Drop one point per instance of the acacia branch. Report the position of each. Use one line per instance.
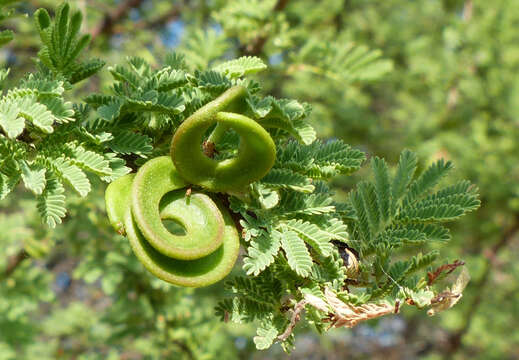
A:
(155, 23)
(256, 47)
(13, 262)
(106, 26)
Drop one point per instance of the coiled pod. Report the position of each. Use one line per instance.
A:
(256, 152)
(138, 203)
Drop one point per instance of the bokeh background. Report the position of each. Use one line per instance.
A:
(445, 84)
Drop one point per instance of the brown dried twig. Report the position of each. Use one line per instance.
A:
(339, 313)
(447, 268)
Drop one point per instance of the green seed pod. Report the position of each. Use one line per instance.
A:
(153, 180)
(207, 251)
(117, 198)
(193, 273)
(256, 152)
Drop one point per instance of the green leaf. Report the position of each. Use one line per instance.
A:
(319, 160)
(421, 261)
(168, 79)
(212, 81)
(363, 225)
(118, 167)
(109, 111)
(261, 253)
(303, 131)
(382, 187)
(266, 334)
(403, 177)
(441, 212)
(421, 298)
(51, 203)
(37, 113)
(240, 67)
(201, 47)
(127, 142)
(312, 234)
(268, 198)
(72, 174)
(62, 112)
(298, 203)
(427, 180)
(343, 61)
(122, 74)
(7, 184)
(33, 177)
(335, 229)
(175, 61)
(296, 252)
(88, 160)
(10, 122)
(285, 178)
(85, 70)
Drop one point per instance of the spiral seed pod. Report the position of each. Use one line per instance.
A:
(117, 198)
(206, 252)
(256, 152)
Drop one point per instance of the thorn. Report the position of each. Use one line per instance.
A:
(397, 306)
(209, 149)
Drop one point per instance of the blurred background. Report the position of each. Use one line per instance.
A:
(444, 83)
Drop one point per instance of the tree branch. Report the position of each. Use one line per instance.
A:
(106, 26)
(13, 262)
(155, 23)
(256, 47)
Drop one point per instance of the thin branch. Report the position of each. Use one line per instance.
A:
(106, 26)
(162, 20)
(256, 47)
(13, 262)
(296, 316)
(445, 268)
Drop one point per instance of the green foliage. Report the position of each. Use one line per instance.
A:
(45, 139)
(62, 44)
(300, 236)
(296, 232)
(6, 35)
(340, 61)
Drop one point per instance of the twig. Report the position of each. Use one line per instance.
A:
(256, 47)
(447, 268)
(296, 315)
(106, 25)
(165, 18)
(13, 262)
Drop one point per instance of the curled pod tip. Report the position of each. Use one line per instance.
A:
(256, 152)
(191, 273)
(153, 181)
(117, 199)
(138, 203)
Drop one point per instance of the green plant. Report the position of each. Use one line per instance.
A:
(204, 254)
(343, 262)
(256, 153)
